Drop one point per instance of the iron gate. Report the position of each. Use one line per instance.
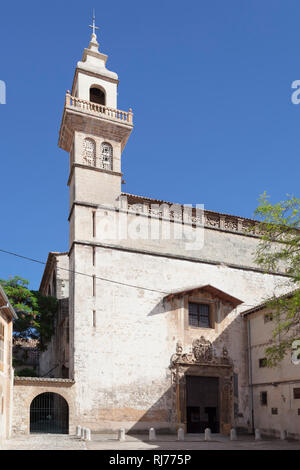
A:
(49, 413)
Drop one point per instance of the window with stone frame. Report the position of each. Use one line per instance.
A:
(106, 157)
(89, 152)
(1, 346)
(199, 315)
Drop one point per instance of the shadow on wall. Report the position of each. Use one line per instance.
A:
(209, 387)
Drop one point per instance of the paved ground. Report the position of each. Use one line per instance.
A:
(45, 442)
(109, 442)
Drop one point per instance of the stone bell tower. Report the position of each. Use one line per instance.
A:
(94, 133)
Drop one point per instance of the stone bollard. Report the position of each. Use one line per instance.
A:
(283, 435)
(207, 434)
(121, 434)
(180, 434)
(257, 435)
(233, 435)
(152, 435)
(78, 431)
(82, 433)
(87, 435)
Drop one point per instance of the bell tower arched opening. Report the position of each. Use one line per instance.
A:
(97, 95)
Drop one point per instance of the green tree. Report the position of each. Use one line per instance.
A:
(279, 251)
(35, 312)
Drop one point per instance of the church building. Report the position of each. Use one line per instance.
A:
(149, 331)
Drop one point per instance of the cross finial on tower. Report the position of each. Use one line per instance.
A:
(93, 26)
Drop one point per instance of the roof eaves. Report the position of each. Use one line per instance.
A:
(8, 305)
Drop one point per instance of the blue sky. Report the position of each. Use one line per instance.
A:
(209, 82)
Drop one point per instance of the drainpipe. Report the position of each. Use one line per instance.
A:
(250, 373)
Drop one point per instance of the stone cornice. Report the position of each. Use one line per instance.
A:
(234, 225)
(91, 74)
(43, 381)
(102, 121)
(87, 167)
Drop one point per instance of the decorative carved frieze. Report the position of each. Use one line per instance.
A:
(231, 223)
(202, 352)
(212, 220)
(248, 227)
(206, 219)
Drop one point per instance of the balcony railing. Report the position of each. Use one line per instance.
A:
(94, 108)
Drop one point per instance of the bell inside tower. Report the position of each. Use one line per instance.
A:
(97, 96)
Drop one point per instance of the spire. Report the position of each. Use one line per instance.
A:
(94, 45)
(92, 59)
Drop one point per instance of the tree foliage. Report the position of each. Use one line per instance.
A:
(279, 251)
(35, 312)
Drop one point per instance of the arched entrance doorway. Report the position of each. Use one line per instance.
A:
(49, 413)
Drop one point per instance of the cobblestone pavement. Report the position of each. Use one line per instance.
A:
(167, 442)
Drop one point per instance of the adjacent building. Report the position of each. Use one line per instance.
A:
(274, 391)
(7, 314)
(55, 282)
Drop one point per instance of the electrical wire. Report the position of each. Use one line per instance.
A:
(96, 277)
(83, 274)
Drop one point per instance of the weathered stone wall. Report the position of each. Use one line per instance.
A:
(121, 365)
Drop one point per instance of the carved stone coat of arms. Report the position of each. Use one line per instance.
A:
(202, 350)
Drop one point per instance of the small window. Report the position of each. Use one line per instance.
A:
(199, 315)
(263, 398)
(268, 317)
(263, 362)
(106, 156)
(298, 411)
(297, 393)
(89, 152)
(274, 411)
